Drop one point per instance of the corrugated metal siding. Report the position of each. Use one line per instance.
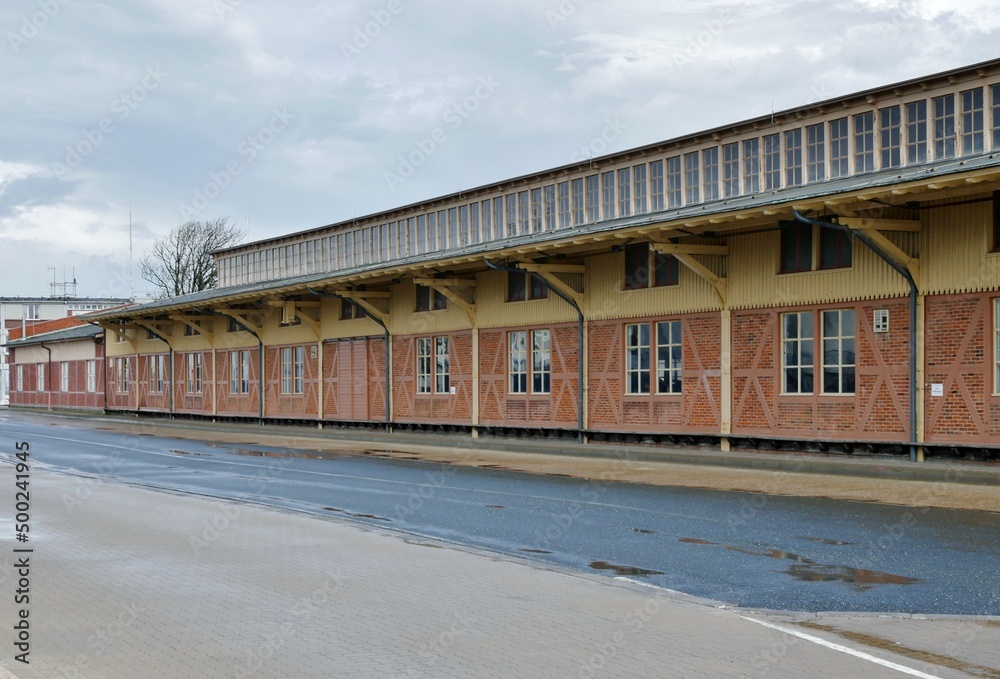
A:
(403, 320)
(495, 312)
(607, 301)
(754, 283)
(957, 240)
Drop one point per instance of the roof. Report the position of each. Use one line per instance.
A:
(764, 203)
(78, 332)
(62, 300)
(722, 129)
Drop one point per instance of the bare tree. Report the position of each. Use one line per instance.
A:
(181, 262)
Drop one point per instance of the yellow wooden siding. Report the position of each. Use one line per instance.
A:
(494, 311)
(957, 242)
(607, 300)
(405, 321)
(754, 281)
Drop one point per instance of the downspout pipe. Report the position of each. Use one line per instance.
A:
(48, 374)
(170, 348)
(580, 323)
(260, 361)
(388, 356)
(914, 294)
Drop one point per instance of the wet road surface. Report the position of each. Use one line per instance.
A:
(745, 549)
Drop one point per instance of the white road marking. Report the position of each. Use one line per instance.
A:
(844, 649)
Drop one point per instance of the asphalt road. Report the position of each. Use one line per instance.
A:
(750, 550)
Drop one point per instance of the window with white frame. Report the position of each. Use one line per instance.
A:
(442, 365)
(541, 362)
(972, 121)
(772, 162)
(996, 346)
(840, 159)
(624, 192)
(692, 179)
(91, 376)
(564, 205)
(511, 202)
(20, 378)
(944, 126)
(710, 170)
(239, 372)
(864, 142)
(815, 153)
(674, 183)
(839, 360)
(656, 186)
(579, 203)
(194, 373)
(797, 353)
(536, 212)
(731, 170)
(523, 213)
(751, 166)
(550, 207)
(608, 195)
(639, 186)
(424, 365)
(916, 132)
(594, 198)
(517, 353)
(293, 370)
(64, 376)
(498, 219)
(669, 357)
(122, 375)
(39, 377)
(890, 136)
(793, 157)
(156, 373)
(637, 358)
(31, 312)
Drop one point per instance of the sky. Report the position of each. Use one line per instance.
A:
(284, 116)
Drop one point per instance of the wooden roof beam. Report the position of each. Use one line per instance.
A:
(870, 224)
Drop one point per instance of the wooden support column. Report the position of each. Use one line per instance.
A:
(921, 376)
(726, 379)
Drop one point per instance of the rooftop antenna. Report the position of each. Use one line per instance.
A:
(131, 275)
(772, 110)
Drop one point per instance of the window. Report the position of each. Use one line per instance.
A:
(150, 335)
(156, 374)
(20, 378)
(519, 290)
(442, 366)
(674, 183)
(624, 192)
(541, 362)
(91, 376)
(996, 346)
(550, 208)
(564, 205)
(656, 185)
(995, 93)
(972, 121)
(578, 202)
(797, 342)
(593, 199)
(293, 370)
(815, 153)
(517, 351)
(864, 142)
(772, 162)
(637, 358)
(475, 230)
(498, 223)
(194, 373)
(636, 266)
(487, 207)
(996, 221)
(890, 136)
(608, 194)
(839, 149)
(429, 299)
(796, 248)
(64, 376)
(751, 166)
(424, 365)
(39, 377)
(838, 352)
(234, 326)
(639, 183)
(793, 157)
(710, 158)
(731, 170)
(286, 370)
(536, 212)
(191, 330)
(669, 353)
(523, 213)
(944, 127)
(916, 132)
(349, 310)
(835, 249)
(31, 312)
(692, 179)
(666, 270)
(121, 375)
(239, 372)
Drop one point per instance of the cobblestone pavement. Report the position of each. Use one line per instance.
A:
(129, 582)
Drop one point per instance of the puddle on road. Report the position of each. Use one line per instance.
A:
(622, 570)
(357, 516)
(495, 507)
(809, 570)
(535, 551)
(246, 452)
(644, 531)
(826, 541)
(184, 452)
(913, 653)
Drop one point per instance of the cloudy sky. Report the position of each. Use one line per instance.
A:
(291, 115)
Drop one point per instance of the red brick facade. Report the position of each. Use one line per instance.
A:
(76, 397)
(437, 408)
